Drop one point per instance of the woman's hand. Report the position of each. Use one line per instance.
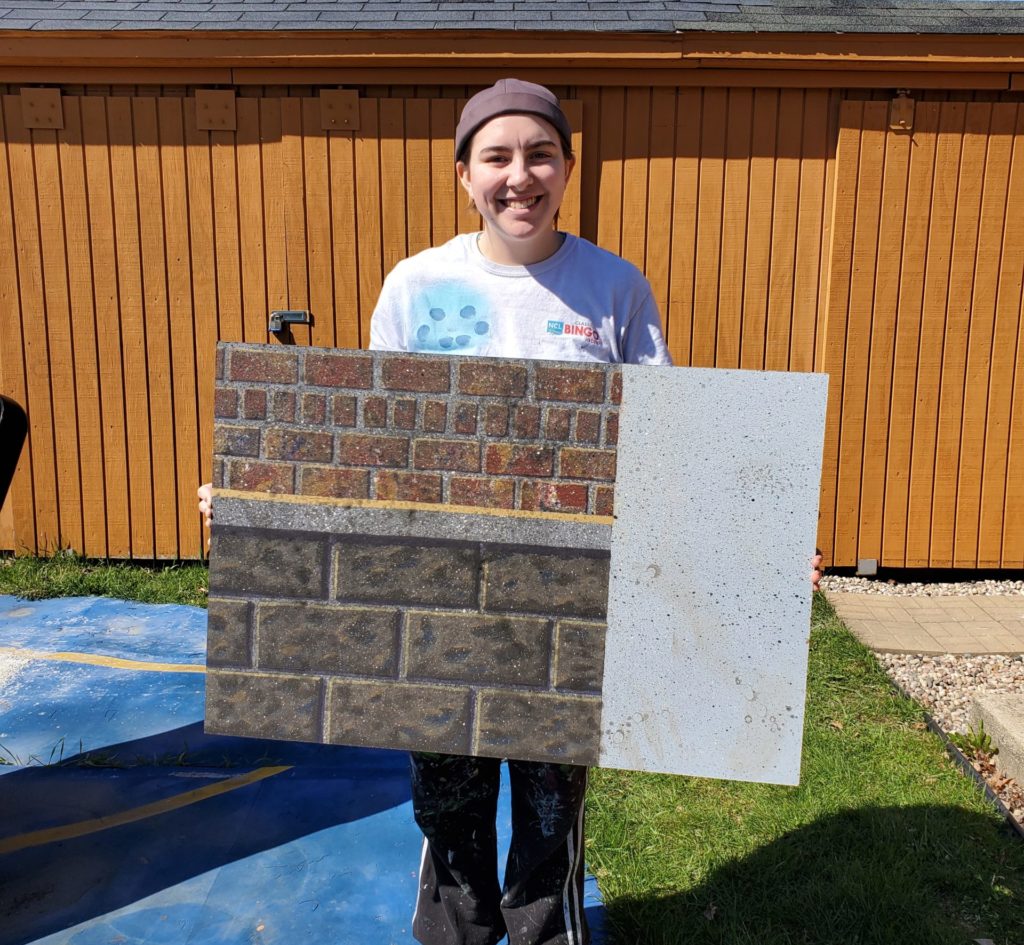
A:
(815, 571)
(205, 493)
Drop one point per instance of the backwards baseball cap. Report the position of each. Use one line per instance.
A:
(511, 97)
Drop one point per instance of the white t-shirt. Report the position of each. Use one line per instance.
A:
(581, 304)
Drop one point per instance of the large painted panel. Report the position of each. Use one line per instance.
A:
(412, 551)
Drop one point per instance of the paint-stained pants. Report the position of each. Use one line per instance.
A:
(455, 801)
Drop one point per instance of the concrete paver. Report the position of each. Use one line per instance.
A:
(933, 625)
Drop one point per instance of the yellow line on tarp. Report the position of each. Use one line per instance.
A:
(39, 838)
(395, 505)
(94, 660)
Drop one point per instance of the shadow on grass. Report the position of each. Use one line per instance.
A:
(925, 875)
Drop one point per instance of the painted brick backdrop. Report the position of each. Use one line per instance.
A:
(348, 606)
(537, 436)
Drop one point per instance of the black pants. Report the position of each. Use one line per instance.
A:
(455, 801)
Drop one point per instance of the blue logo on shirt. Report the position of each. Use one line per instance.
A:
(556, 328)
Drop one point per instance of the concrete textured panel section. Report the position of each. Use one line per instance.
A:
(420, 552)
(709, 606)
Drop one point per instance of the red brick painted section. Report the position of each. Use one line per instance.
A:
(530, 435)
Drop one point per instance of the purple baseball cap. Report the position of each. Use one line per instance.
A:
(511, 97)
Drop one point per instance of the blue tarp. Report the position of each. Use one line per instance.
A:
(149, 831)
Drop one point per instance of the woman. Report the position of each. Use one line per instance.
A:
(521, 289)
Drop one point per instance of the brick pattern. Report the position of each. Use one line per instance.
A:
(461, 647)
(537, 436)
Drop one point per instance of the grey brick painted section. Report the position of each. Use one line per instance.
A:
(229, 634)
(305, 637)
(538, 727)
(263, 706)
(441, 575)
(661, 16)
(579, 656)
(546, 583)
(478, 648)
(272, 565)
(421, 718)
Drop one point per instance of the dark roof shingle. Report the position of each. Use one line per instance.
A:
(660, 16)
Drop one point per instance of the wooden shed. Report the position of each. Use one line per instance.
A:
(808, 185)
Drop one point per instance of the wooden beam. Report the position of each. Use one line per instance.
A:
(586, 77)
(505, 49)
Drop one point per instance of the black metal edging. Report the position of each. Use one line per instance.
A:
(963, 763)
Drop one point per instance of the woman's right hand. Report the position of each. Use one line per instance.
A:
(205, 493)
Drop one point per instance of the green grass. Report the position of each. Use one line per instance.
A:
(885, 841)
(67, 575)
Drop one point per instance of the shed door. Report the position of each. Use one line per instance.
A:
(131, 240)
(925, 438)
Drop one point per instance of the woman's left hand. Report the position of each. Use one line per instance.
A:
(816, 573)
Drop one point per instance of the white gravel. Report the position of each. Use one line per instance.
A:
(945, 685)
(861, 585)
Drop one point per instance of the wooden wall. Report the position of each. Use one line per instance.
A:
(769, 222)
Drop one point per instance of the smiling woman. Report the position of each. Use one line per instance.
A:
(518, 289)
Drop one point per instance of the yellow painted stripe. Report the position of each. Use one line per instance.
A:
(38, 838)
(93, 660)
(411, 506)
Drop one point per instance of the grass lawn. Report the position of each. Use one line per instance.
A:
(885, 841)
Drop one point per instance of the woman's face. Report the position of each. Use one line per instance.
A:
(516, 175)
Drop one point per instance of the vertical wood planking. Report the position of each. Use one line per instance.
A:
(392, 182)
(832, 125)
(968, 540)
(345, 239)
(892, 221)
(858, 328)
(20, 524)
(83, 330)
(610, 159)
(635, 158)
(840, 264)
(569, 212)
(954, 343)
(58, 334)
(133, 329)
(1001, 530)
(204, 281)
(709, 228)
(293, 191)
(937, 275)
(914, 252)
(785, 221)
(317, 203)
(174, 184)
(368, 214)
(103, 253)
(155, 312)
(588, 167)
(658, 236)
(275, 234)
(417, 184)
(808, 265)
(685, 188)
(735, 207)
(763, 150)
(255, 312)
(444, 192)
(225, 229)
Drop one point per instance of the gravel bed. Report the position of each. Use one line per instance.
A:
(862, 585)
(946, 684)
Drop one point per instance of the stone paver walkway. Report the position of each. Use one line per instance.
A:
(891, 624)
